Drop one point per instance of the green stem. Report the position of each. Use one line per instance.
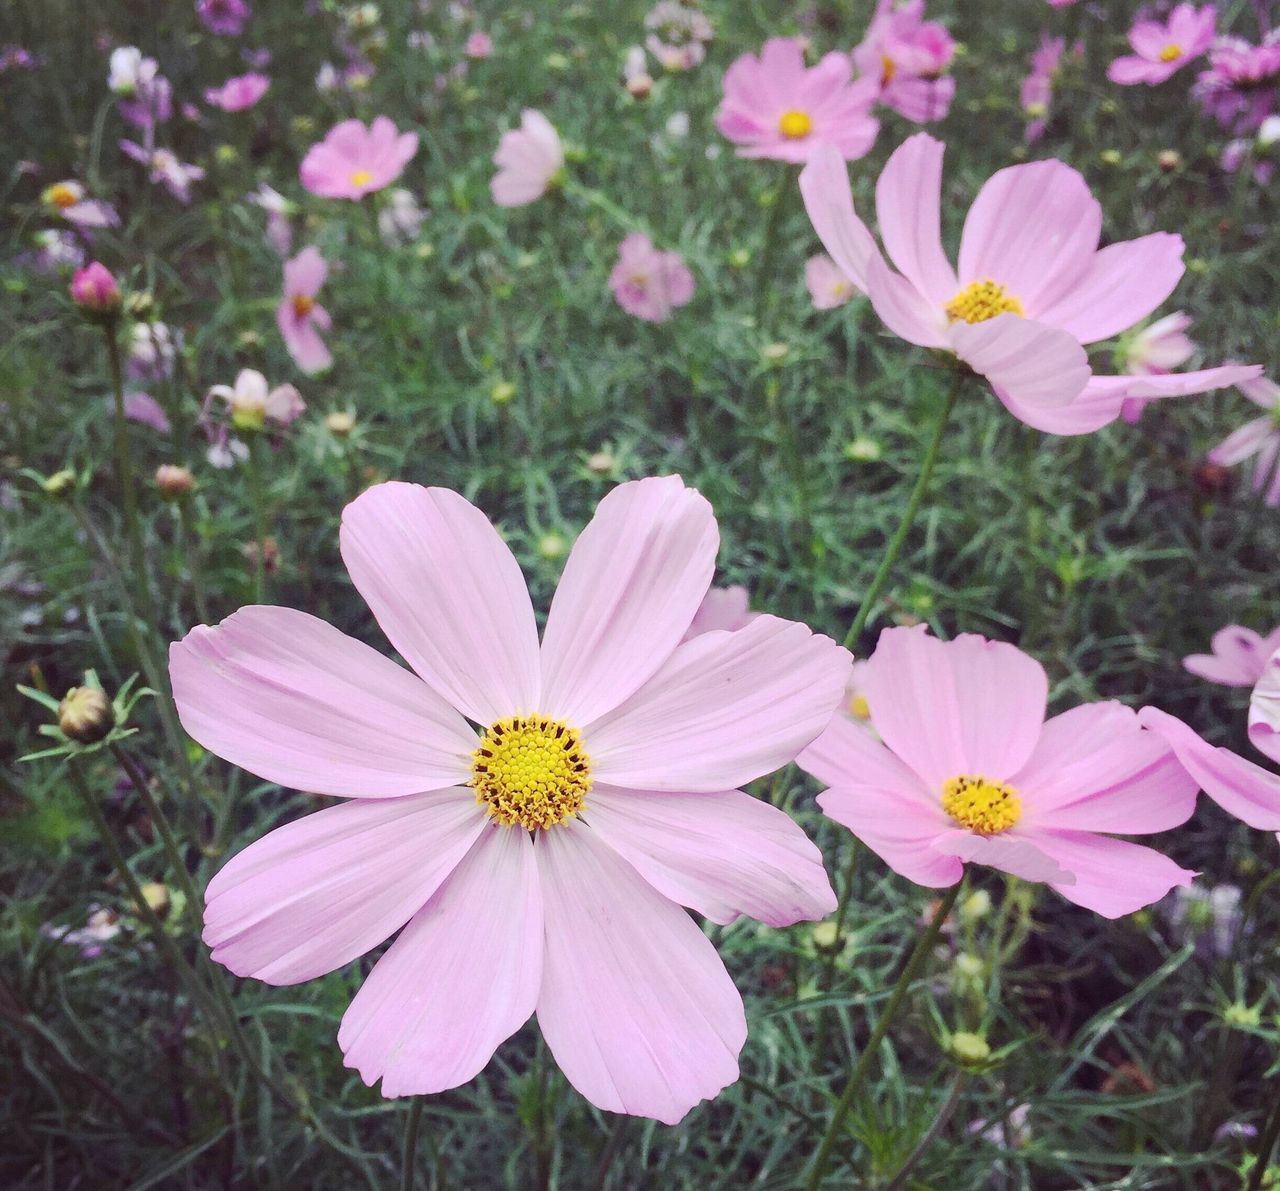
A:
(259, 519)
(930, 1135)
(191, 542)
(924, 944)
(772, 236)
(829, 963)
(411, 1125)
(1266, 1143)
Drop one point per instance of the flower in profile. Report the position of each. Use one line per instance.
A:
(536, 814)
(401, 219)
(967, 768)
(1155, 350)
(648, 282)
(251, 404)
(1239, 87)
(227, 18)
(153, 348)
(478, 45)
(774, 106)
(530, 160)
(279, 234)
(1238, 656)
(678, 35)
(55, 249)
(1162, 48)
(723, 609)
(1210, 918)
(101, 926)
(166, 170)
(1036, 94)
(145, 97)
(909, 57)
(69, 200)
(354, 160)
(1031, 289)
(828, 287)
(1258, 439)
(238, 93)
(299, 316)
(95, 290)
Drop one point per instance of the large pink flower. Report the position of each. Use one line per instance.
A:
(1258, 439)
(1031, 288)
(299, 316)
(353, 160)
(536, 814)
(1160, 49)
(529, 160)
(775, 106)
(970, 770)
(1237, 656)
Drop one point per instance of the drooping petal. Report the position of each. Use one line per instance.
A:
(1244, 441)
(828, 199)
(1036, 365)
(908, 210)
(449, 595)
(462, 977)
(1264, 710)
(903, 308)
(898, 830)
(1010, 853)
(290, 698)
(1237, 659)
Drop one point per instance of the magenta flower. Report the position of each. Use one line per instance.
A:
(774, 106)
(909, 57)
(1258, 439)
(970, 770)
(353, 160)
(70, 201)
(827, 285)
(1032, 286)
(1239, 87)
(299, 316)
(536, 814)
(1161, 49)
(1238, 656)
(227, 18)
(723, 609)
(647, 282)
(238, 93)
(166, 170)
(529, 160)
(94, 289)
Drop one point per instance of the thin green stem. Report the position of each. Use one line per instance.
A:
(1266, 1143)
(259, 519)
(191, 544)
(772, 236)
(835, 1130)
(412, 1124)
(930, 1135)
(829, 963)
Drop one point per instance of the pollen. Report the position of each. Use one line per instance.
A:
(532, 771)
(859, 708)
(61, 195)
(981, 805)
(795, 125)
(303, 305)
(888, 68)
(1171, 53)
(980, 301)
(361, 178)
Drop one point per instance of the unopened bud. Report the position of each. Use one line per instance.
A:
(85, 714)
(140, 304)
(156, 895)
(826, 936)
(173, 481)
(340, 423)
(61, 483)
(976, 906)
(969, 1049)
(552, 546)
(1169, 160)
(601, 463)
(639, 86)
(95, 291)
(502, 392)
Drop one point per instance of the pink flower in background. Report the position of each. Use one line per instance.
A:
(1239, 87)
(1036, 93)
(1238, 658)
(153, 350)
(238, 93)
(1031, 288)
(678, 35)
(70, 201)
(969, 770)
(251, 403)
(55, 249)
(478, 45)
(723, 609)
(908, 56)
(175, 176)
(95, 289)
(279, 233)
(1264, 709)
(224, 17)
(146, 411)
(1156, 350)
(299, 316)
(774, 106)
(1258, 440)
(101, 926)
(353, 160)
(536, 814)
(529, 160)
(648, 282)
(1160, 49)
(828, 287)
(146, 99)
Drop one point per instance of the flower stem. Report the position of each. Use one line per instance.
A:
(193, 547)
(259, 519)
(772, 235)
(930, 1135)
(1266, 1143)
(411, 1125)
(924, 944)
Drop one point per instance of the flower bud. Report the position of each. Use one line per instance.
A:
(61, 483)
(173, 481)
(976, 906)
(85, 714)
(552, 546)
(340, 423)
(826, 936)
(601, 463)
(969, 1049)
(502, 392)
(95, 291)
(156, 895)
(639, 86)
(1169, 160)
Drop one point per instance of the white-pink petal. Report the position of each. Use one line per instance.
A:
(908, 209)
(828, 199)
(1034, 364)
(899, 830)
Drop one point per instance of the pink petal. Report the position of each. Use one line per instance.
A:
(847, 754)
(290, 698)
(1131, 70)
(1009, 853)
(903, 308)
(449, 595)
(630, 589)
(635, 1004)
(724, 710)
(908, 208)
(828, 199)
(305, 273)
(461, 978)
(1034, 364)
(1245, 441)
(721, 854)
(1264, 710)
(898, 830)
(1238, 657)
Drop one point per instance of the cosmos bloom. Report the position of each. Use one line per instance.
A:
(353, 160)
(1239, 87)
(529, 160)
(1156, 350)
(1160, 49)
(478, 45)
(774, 106)
(174, 175)
(299, 316)
(536, 814)
(1032, 287)
(224, 17)
(1258, 439)
(239, 93)
(909, 57)
(1036, 93)
(647, 282)
(251, 404)
(724, 609)
(828, 287)
(95, 289)
(1237, 656)
(968, 769)
(678, 35)
(69, 201)
(145, 96)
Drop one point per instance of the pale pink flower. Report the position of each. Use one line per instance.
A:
(1258, 439)
(536, 814)
(648, 282)
(678, 35)
(478, 45)
(353, 160)
(1156, 350)
(145, 96)
(774, 106)
(967, 769)
(70, 201)
(238, 93)
(146, 411)
(153, 351)
(1036, 94)
(299, 316)
(1032, 287)
(101, 926)
(1238, 656)
(1239, 87)
(1160, 49)
(723, 609)
(251, 403)
(279, 233)
(908, 56)
(529, 160)
(224, 17)
(174, 175)
(828, 287)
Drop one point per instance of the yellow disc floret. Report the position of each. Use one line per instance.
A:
(62, 195)
(981, 805)
(530, 770)
(1171, 53)
(361, 178)
(795, 125)
(981, 300)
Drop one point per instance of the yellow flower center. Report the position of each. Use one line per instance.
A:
(361, 178)
(1171, 53)
(859, 708)
(248, 415)
(302, 305)
(888, 68)
(981, 300)
(795, 125)
(981, 805)
(61, 195)
(530, 770)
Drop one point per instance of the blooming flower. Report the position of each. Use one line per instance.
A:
(251, 405)
(174, 175)
(1036, 92)
(1258, 439)
(353, 160)
(828, 287)
(128, 70)
(647, 282)
(908, 56)
(224, 17)
(723, 609)
(69, 201)
(1161, 49)
(1156, 350)
(529, 160)
(970, 770)
(774, 106)
(401, 219)
(101, 926)
(1031, 289)
(540, 857)
(299, 316)
(1237, 656)
(678, 35)
(1239, 87)
(478, 45)
(238, 93)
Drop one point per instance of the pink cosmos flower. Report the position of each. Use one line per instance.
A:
(908, 56)
(678, 35)
(238, 93)
(101, 926)
(279, 234)
(70, 201)
(478, 45)
(1238, 656)
(145, 96)
(174, 175)
(224, 17)
(968, 769)
(536, 814)
(828, 287)
(647, 282)
(1239, 87)
(774, 106)
(299, 316)
(251, 403)
(529, 161)
(353, 160)
(153, 350)
(1258, 439)
(1036, 93)
(1156, 350)
(1161, 49)
(1031, 289)
(723, 609)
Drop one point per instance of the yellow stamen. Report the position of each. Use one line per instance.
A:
(981, 300)
(859, 708)
(1171, 53)
(302, 305)
(888, 68)
(981, 805)
(361, 178)
(530, 770)
(61, 195)
(795, 125)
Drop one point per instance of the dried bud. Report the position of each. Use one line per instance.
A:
(340, 423)
(85, 715)
(639, 86)
(173, 481)
(95, 291)
(1169, 160)
(270, 554)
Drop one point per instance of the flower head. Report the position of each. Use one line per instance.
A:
(251, 404)
(238, 93)
(1237, 656)
(354, 160)
(828, 287)
(1155, 350)
(299, 316)
(95, 290)
(68, 200)
(647, 282)
(678, 35)
(224, 17)
(153, 348)
(1239, 87)
(1258, 439)
(166, 170)
(529, 160)
(478, 45)
(1161, 48)
(908, 57)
